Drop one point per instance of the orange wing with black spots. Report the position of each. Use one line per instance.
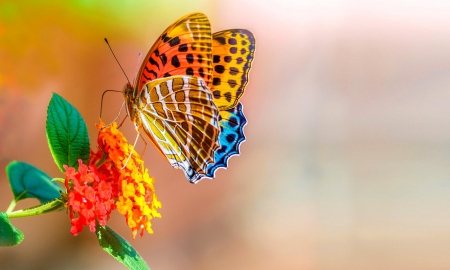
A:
(233, 52)
(187, 91)
(184, 48)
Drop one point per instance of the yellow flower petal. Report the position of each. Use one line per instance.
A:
(137, 199)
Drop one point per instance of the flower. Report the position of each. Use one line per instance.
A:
(136, 200)
(114, 178)
(91, 196)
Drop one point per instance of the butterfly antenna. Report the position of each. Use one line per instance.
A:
(106, 40)
(137, 65)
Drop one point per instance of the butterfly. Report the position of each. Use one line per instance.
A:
(187, 91)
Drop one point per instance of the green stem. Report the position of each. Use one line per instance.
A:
(102, 160)
(11, 206)
(51, 206)
(15, 200)
(61, 180)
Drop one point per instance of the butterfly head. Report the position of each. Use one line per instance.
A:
(128, 94)
(127, 90)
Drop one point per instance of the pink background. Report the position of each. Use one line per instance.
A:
(347, 158)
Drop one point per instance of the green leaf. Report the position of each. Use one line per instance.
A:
(27, 181)
(119, 248)
(66, 133)
(9, 235)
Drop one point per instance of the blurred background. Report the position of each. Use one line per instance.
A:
(347, 158)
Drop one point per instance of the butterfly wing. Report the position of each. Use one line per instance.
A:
(179, 116)
(177, 111)
(233, 52)
(184, 48)
(231, 123)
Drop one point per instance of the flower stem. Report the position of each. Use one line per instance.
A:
(102, 160)
(15, 200)
(57, 179)
(50, 206)
(11, 206)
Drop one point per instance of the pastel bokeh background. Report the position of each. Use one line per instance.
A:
(347, 158)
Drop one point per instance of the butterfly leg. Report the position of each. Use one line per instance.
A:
(145, 146)
(131, 151)
(121, 123)
(120, 110)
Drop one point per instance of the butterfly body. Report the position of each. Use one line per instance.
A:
(187, 91)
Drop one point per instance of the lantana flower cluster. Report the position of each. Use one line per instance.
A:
(114, 178)
(90, 195)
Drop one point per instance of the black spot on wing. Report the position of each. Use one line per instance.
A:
(221, 40)
(190, 58)
(216, 81)
(232, 83)
(233, 122)
(175, 62)
(163, 58)
(227, 96)
(231, 137)
(219, 69)
(234, 71)
(174, 41)
(183, 48)
(150, 71)
(216, 95)
(153, 62)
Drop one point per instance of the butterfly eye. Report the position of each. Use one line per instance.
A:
(127, 90)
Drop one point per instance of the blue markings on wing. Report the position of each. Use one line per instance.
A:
(231, 123)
